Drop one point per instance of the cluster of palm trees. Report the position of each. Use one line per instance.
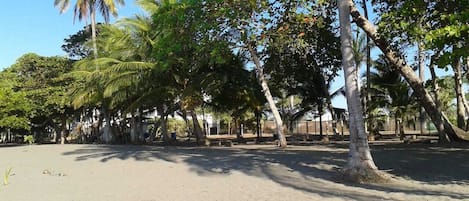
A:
(155, 62)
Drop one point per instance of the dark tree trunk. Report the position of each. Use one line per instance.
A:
(63, 130)
(320, 123)
(258, 125)
(461, 113)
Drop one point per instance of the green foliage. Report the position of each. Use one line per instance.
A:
(439, 25)
(29, 139)
(390, 91)
(178, 126)
(42, 90)
(15, 109)
(76, 45)
(306, 65)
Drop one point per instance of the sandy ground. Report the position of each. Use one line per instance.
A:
(147, 173)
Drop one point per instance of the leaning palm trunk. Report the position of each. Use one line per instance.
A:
(360, 166)
(265, 88)
(446, 131)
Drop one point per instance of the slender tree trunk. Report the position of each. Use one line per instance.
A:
(63, 130)
(360, 166)
(320, 122)
(333, 115)
(265, 88)
(107, 133)
(133, 131)
(435, 86)
(368, 116)
(258, 124)
(93, 35)
(446, 131)
(8, 137)
(461, 113)
(422, 77)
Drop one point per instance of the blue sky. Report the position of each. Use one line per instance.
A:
(38, 27)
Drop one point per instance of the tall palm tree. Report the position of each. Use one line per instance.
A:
(360, 166)
(85, 9)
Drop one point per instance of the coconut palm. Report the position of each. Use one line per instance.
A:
(390, 91)
(360, 164)
(85, 9)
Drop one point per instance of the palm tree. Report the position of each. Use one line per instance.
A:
(360, 166)
(393, 93)
(85, 9)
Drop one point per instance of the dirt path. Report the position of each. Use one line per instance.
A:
(143, 173)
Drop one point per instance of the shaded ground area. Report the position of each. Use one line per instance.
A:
(250, 172)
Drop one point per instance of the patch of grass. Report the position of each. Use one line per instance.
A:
(6, 176)
(29, 139)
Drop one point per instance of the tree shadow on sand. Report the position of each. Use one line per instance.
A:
(310, 169)
(429, 163)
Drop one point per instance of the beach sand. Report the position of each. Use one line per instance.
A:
(242, 172)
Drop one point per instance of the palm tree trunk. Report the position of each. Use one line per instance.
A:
(360, 166)
(93, 34)
(444, 127)
(265, 88)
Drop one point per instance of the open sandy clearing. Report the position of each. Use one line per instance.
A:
(145, 173)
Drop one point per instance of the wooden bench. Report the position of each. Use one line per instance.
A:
(219, 142)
